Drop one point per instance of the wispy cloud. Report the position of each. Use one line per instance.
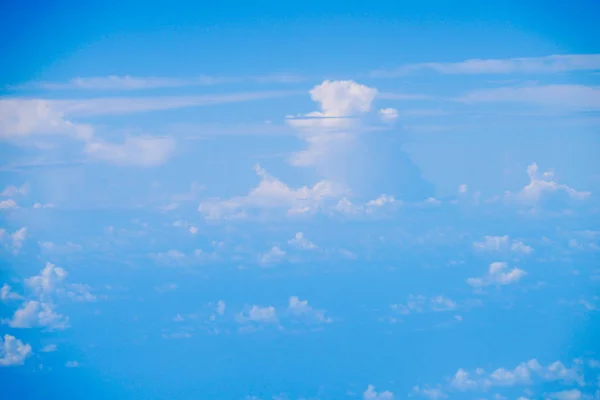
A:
(130, 83)
(524, 65)
(573, 96)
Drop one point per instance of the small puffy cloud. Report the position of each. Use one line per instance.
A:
(6, 293)
(502, 244)
(543, 187)
(523, 374)
(273, 256)
(11, 191)
(498, 275)
(381, 201)
(301, 310)
(463, 381)
(273, 194)
(371, 394)
(463, 188)
(258, 314)
(13, 352)
(7, 204)
(388, 114)
(48, 281)
(36, 314)
(18, 237)
(193, 230)
(301, 242)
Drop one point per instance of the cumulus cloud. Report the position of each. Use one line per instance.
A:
(13, 351)
(258, 314)
(498, 275)
(430, 393)
(34, 314)
(20, 119)
(301, 242)
(6, 293)
(331, 129)
(371, 394)
(301, 310)
(7, 204)
(273, 256)
(11, 190)
(272, 193)
(542, 184)
(523, 374)
(49, 348)
(502, 244)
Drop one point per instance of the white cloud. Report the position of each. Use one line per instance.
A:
(49, 280)
(22, 118)
(300, 309)
(193, 230)
(35, 314)
(13, 351)
(522, 374)
(388, 114)
(381, 201)
(16, 239)
(7, 204)
(301, 242)
(547, 64)
(11, 191)
(273, 256)
(463, 188)
(271, 193)
(497, 275)
(371, 394)
(50, 283)
(6, 293)
(502, 244)
(258, 314)
(541, 184)
(331, 129)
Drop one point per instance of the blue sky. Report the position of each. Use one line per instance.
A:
(277, 201)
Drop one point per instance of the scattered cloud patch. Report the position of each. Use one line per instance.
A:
(498, 274)
(13, 352)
